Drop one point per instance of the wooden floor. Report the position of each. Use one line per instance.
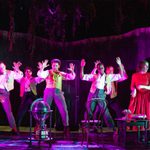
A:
(96, 141)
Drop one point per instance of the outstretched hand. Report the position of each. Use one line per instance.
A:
(118, 60)
(16, 65)
(43, 64)
(96, 63)
(71, 67)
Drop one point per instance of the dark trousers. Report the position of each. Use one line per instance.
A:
(5, 101)
(97, 100)
(26, 102)
(113, 104)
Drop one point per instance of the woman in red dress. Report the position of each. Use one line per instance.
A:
(140, 91)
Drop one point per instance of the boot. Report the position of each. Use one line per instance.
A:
(66, 132)
(14, 131)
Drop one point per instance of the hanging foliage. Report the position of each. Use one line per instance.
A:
(11, 24)
(54, 19)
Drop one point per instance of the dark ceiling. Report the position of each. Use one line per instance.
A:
(67, 20)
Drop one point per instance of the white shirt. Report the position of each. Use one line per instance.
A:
(99, 81)
(7, 79)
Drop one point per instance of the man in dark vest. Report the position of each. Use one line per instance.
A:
(28, 93)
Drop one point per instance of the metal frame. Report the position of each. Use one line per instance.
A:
(31, 134)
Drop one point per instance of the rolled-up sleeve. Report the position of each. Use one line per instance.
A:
(17, 75)
(43, 74)
(88, 77)
(114, 77)
(38, 80)
(68, 76)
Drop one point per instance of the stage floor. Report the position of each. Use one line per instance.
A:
(96, 141)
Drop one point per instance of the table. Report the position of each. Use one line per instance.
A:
(122, 128)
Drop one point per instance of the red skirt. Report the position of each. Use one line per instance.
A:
(141, 103)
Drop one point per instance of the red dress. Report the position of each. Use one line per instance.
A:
(141, 103)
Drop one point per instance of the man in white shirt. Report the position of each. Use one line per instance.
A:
(112, 92)
(53, 88)
(99, 88)
(7, 84)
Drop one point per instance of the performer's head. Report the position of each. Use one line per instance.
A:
(109, 70)
(28, 72)
(100, 68)
(143, 66)
(55, 64)
(2, 67)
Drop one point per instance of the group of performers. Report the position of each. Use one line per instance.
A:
(103, 88)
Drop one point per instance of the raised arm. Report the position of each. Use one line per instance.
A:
(82, 68)
(18, 74)
(95, 66)
(41, 66)
(16, 66)
(85, 77)
(71, 75)
(122, 70)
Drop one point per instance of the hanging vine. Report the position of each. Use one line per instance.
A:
(10, 35)
(54, 19)
(58, 20)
